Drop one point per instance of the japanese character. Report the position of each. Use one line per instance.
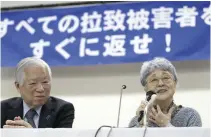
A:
(168, 41)
(138, 20)
(141, 44)
(66, 21)
(162, 17)
(38, 47)
(59, 47)
(46, 21)
(4, 26)
(115, 46)
(91, 23)
(206, 16)
(114, 20)
(86, 51)
(26, 25)
(187, 16)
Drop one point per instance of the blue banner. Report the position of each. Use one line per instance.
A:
(107, 33)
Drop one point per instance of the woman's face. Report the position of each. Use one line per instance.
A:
(162, 83)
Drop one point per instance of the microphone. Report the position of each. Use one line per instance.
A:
(149, 95)
(111, 127)
(150, 98)
(120, 102)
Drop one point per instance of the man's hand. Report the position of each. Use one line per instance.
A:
(17, 123)
(159, 118)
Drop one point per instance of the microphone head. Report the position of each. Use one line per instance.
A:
(124, 86)
(149, 94)
(152, 98)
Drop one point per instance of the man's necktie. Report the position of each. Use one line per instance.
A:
(30, 115)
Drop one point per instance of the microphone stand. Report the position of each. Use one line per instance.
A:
(120, 102)
(145, 122)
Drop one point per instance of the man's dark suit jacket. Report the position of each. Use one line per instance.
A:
(56, 113)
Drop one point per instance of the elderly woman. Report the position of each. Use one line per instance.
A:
(159, 76)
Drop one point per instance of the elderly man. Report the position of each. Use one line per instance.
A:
(159, 76)
(35, 108)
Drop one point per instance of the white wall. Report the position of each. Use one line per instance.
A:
(94, 90)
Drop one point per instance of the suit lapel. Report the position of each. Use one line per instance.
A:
(46, 115)
(16, 109)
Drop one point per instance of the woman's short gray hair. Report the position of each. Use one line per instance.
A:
(29, 61)
(156, 63)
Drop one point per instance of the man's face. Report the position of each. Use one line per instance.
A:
(163, 83)
(36, 87)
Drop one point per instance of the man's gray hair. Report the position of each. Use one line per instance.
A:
(156, 63)
(29, 61)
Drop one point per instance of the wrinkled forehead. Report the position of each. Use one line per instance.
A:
(159, 73)
(36, 71)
